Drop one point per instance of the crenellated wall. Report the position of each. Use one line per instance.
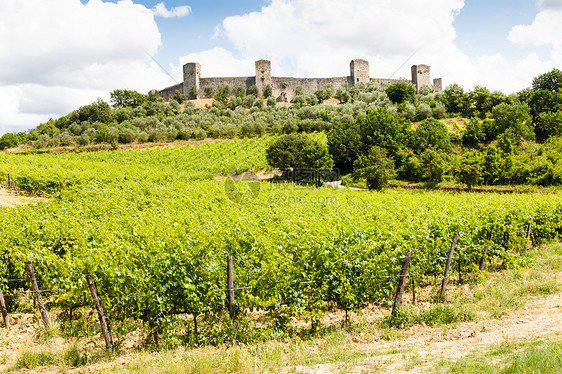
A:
(309, 85)
(284, 87)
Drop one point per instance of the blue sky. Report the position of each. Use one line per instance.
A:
(57, 55)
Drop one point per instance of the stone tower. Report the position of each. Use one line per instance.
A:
(421, 76)
(191, 76)
(438, 84)
(359, 71)
(263, 75)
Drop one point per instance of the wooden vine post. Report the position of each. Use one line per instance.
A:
(401, 283)
(483, 258)
(230, 289)
(97, 302)
(4, 310)
(529, 242)
(38, 298)
(448, 266)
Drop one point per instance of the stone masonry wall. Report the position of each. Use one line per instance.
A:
(168, 92)
(308, 84)
(359, 74)
(231, 81)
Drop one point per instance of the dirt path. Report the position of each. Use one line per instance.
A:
(423, 347)
(414, 350)
(10, 199)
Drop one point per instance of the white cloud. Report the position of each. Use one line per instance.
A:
(60, 54)
(312, 37)
(160, 10)
(320, 37)
(219, 62)
(550, 4)
(545, 29)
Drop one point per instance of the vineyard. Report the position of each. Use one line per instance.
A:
(154, 228)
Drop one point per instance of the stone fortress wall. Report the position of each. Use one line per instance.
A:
(284, 87)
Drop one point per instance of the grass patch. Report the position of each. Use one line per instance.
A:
(507, 358)
(439, 314)
(31, 358)
(547, 359)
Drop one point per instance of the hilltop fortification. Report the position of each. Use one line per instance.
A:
(284, 87)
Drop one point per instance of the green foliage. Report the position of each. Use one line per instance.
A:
(546, 359)
(31, 359)
(431, 133)
(298, 151)
(514, 117)
(496, 166)
(157, 237)
(271, 102)
(239, 90)
(98, 111)
(551, 81)
(455, 99)
(126, 98)
(10, 140)
(210, 91)
(299, 90)
(542, 101)
(382, 128)
(438, 315)
(470, 169)
(344, 143)
(549, 124)
(400, 93)
(473, 133)
(375, 167)
(254, 90)
(484, 100)
(193, 92)
(267, 91)
(223, 92)
(433, 165)
(179, 97)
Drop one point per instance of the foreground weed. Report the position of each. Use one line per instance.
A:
(547, 359)
(439, 314)
(31, 358)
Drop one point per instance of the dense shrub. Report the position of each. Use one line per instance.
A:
(401, 92)
(298, 151)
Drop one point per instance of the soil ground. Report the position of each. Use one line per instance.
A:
(10, 199)
(413, 350)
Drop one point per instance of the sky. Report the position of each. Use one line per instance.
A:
(58, 55)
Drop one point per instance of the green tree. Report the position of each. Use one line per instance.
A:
(254, 90)
(223, 92)
(542, 101)
(179, 97)
(126, 98)
(382, 128)
(549, 124)
(267, 91)
(98, 111)
(483, 100)
(210, 91)
(473, 133)
(400, 93)
(376, 167)
(470, 169)
(9, 140)
(433, 166)
(298, 151)
(344, 144)
(551, 81)
(431, 133)
(455, 99)
(516, 117)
